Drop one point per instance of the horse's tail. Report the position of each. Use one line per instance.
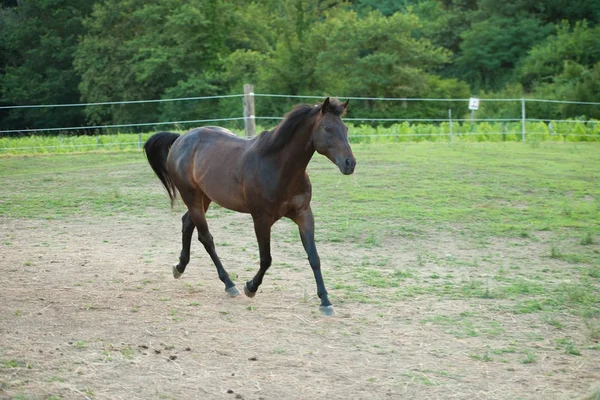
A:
(157, 148)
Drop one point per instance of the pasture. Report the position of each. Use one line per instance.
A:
(457, 271)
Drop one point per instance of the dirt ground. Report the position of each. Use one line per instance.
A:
(89, 309)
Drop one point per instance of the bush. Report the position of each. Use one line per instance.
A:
(484, 131)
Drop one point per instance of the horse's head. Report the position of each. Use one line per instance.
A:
(330, 136)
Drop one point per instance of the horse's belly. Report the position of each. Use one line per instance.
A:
(230, 203)
(223, 189)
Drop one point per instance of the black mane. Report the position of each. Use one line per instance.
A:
(273, 140)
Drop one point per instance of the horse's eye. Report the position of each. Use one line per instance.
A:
(328, 129)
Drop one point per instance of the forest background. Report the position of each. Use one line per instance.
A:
(72, 51)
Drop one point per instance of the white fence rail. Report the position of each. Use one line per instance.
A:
(247, 108)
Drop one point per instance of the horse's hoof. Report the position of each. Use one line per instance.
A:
(248, 292)
(233, 291)
(176, 274)
(327, 310)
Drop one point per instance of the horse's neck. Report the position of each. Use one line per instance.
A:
(296, 154)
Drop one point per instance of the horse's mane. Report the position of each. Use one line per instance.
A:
(273, 140)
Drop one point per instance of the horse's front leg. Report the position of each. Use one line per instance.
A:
(306, 224)
(262, 228)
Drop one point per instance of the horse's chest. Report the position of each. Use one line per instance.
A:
(271, 194)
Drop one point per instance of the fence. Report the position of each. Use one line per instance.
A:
(432, 128)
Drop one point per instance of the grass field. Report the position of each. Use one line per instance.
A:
(499, 232)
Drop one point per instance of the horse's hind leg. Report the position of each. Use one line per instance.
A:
(187, 231)
(197, 214)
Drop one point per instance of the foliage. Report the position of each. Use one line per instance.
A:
(565, 131)
(65, 51)
(491, 48)
(576, 44)
(385, 7)
(37, 44)
(139, 50)
(384, 46)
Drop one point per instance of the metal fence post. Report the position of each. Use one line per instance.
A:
(523, 118)
(450, 124)
(249, 118)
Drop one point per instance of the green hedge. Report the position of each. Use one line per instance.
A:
(561, 131)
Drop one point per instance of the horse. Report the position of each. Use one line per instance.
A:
(264, 176)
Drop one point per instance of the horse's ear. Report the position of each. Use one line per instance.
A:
(325, 106)
(346, 103)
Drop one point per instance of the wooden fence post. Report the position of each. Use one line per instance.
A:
(249, 117)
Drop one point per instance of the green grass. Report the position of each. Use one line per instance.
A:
(494, 189)
(526, 218)
(69, 143)
(59, 186)
(530, 358)
(465, 325)
(490, 190)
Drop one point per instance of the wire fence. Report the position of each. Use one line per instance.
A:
(364, 128)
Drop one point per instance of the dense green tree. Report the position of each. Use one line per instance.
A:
(445, 21)
(282, 59)
(374, 55)
(576, 83)
(139, 50)
(37, 43)
(585, 87)
(348, 55)
(547, 11)
(64, 51)
(491, 49)
(546, 61)
(386, 7)
(289, 64)
(490, 38)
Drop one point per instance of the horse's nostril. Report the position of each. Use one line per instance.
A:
(348, 162)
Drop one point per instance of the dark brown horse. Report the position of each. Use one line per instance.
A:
(264, 176)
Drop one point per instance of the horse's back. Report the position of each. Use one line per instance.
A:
(209, 141)
(210, 159)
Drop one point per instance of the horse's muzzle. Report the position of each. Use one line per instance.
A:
(347, 165)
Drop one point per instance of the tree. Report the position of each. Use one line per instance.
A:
(385, 7)
(280, 58)
(445, 21)
(139, 50)
(585, 87)
(37, 45)
(546, 61)
(556, 11)
(374, 55)
(491, 49)
(341, 53)
(547, 11)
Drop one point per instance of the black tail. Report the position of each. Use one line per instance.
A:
(157, 148)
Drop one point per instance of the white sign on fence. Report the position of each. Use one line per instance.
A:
(474, 103)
